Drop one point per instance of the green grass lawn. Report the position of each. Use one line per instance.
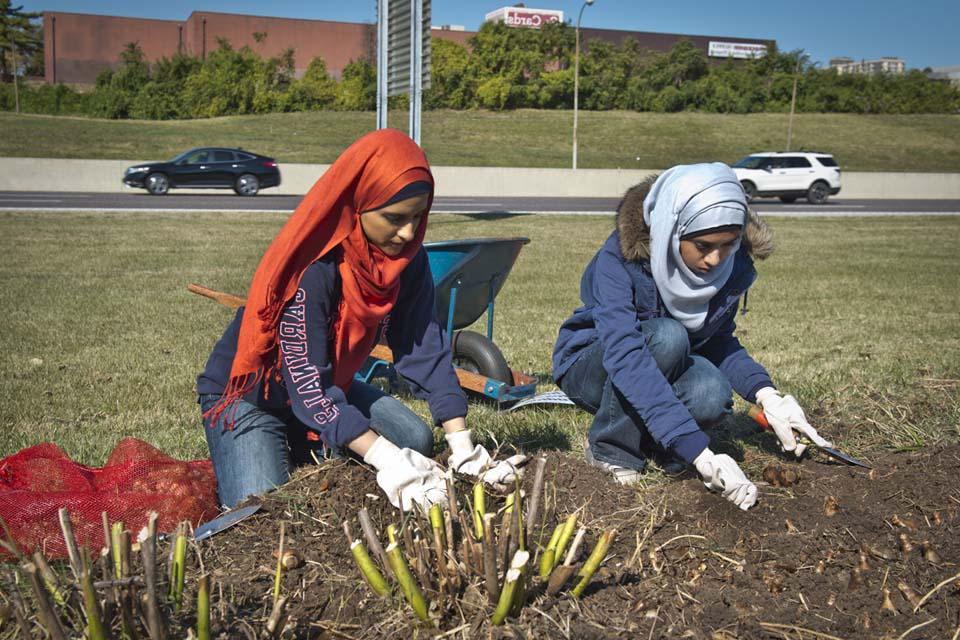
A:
(856, 317)
(525, 138)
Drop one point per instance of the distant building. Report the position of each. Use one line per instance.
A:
(946, 74)
(78, 46)
(886, 64)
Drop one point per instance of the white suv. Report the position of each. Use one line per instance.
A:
(789, 175)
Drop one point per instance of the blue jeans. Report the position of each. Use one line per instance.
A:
(263, 446)
(618, 434)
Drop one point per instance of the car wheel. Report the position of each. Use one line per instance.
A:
(247, 185)
(157, 184)
(818, 192)
(788, 199)
(749, 189)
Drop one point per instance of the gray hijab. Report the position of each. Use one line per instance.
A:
(690, 199)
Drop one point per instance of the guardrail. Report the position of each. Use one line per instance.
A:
(104, 176)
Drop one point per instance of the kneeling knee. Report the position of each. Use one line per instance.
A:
(715, 402)
(668, 343)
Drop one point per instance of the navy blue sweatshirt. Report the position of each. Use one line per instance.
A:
(421, 351)
(618, 294)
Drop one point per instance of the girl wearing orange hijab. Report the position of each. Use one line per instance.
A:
(347, 268)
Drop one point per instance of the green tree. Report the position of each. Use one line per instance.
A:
(116, 89)
(357, 90)
(20, 40)
(453, 81)
(315, 91)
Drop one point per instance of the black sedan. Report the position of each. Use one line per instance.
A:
(207, 168)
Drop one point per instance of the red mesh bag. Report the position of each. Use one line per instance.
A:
(137, 479)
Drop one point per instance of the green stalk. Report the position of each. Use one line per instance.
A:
(479, 509)
(392, 534)
(548, 559)
(407, 584)
(91, 604)
(278, 575)
(203, 607)
(178, 569)
(116, 531)
(565, 535)
(369, 570)
(593, 562)
(510, 582)
(437, 524)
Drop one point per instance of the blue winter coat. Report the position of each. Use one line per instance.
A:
(618, 293)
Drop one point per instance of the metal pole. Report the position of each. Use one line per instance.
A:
(793, 104)
(203, 45)
(576, 80)
(416, 66)
(382, 48)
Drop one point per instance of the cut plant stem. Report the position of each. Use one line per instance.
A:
(178, 568)
(50, 579)
(277, 618)
(479, 509)
(439, 531)
(565, 534)
(115, 542)
(562, 574)
(70, 541)
(45, 609)
(548, 559)
(369, 570)
(593, 562)
(91, 604)
(203, 607)
(408, 585)
(490, 560)
(279, 572)
(148, 553)
(510, 583)
(373, 539)
(533, 513)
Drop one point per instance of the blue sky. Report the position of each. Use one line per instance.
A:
(923, 32)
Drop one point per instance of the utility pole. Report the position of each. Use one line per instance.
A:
(793, 101)
(576, 79)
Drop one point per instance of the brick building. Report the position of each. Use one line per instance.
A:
(77, 46)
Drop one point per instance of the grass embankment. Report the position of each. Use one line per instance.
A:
(526, 138)
(856, 317)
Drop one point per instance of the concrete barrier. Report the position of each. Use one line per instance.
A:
(104, 176)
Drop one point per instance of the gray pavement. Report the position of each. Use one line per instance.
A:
(265, 202)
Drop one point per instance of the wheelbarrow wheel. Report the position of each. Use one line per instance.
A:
(477, 353)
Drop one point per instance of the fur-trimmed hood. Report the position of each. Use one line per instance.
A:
(635, 235)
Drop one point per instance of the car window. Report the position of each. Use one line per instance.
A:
(796, 162)
(778, 163)
(223, 156)
(244, 157)
(751, 162)
(198, 157)
(827, 161)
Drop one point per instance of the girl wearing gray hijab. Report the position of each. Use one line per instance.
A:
(651, 353)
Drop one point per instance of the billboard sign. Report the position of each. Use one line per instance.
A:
(736, 50)
(524, 17)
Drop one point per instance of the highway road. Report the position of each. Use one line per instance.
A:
(265, 202)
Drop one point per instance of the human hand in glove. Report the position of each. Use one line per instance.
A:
(720, 473)
(474, 460)
(785, 416)
(406, 476)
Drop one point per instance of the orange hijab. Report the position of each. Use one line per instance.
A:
(366, 175)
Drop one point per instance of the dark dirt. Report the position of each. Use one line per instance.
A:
(686, 564)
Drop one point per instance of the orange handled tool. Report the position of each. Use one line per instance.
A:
(760, 418)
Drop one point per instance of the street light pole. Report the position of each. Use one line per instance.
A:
(576, 79)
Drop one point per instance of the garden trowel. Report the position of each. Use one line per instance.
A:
(758, 416)
(225, 521)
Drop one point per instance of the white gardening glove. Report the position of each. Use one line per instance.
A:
(406, 476)
(475, 461)
(721, 473)
(785, 416)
